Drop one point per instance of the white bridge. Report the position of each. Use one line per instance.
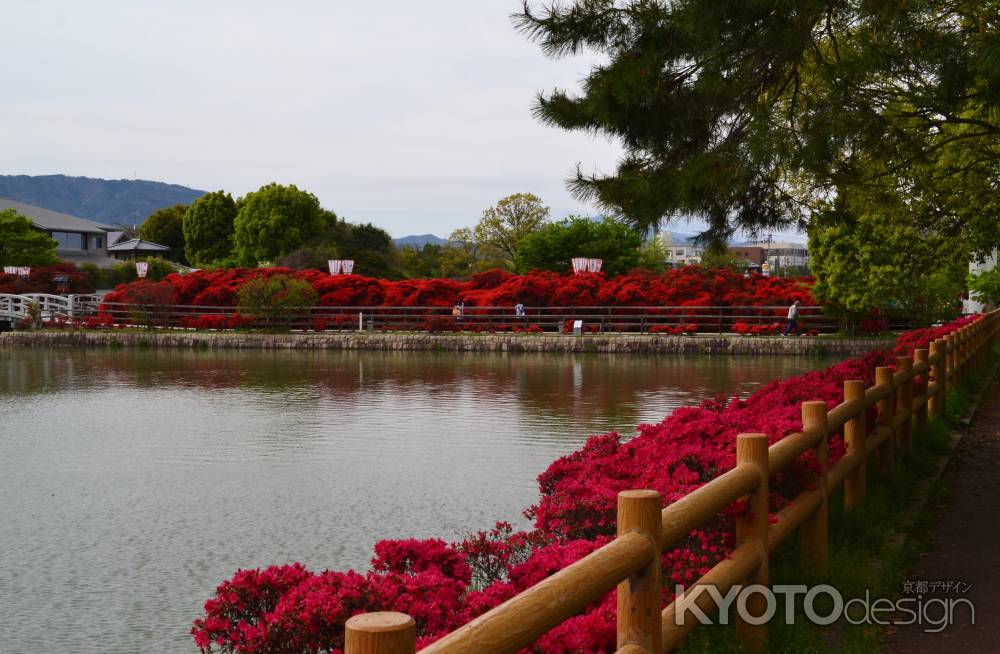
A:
(17, 307)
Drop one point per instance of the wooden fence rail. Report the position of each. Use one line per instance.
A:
(646, 529)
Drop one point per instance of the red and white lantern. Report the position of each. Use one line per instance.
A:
(347, 265)
(24, 271)
(579, 264)
(10, 270)
(594, 265)
(335, 266)
(141, 269)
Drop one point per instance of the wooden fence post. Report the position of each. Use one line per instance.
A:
(753, 526)
(814, 528)
(952, 378)
(380, 633)
(936, 404)
(639, 596)
(884, 416)
(904, 402)
(855, 434)
(920, 355)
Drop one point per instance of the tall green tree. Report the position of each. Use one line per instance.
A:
(553, 246)
(275, 220)
(749, 115)
(166, 227)
(208, 228)
(505, 225)
(23, 245)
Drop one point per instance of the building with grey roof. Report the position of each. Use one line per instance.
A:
(81, 240)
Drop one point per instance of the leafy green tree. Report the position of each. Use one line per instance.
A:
(421, 262)
(275, 220)
(21, 244)
(505, 225)
(553, 246)
(208, 228)
(876, 260)
(372, 250)
(166, 227)
(985, 286)
(751, 114)
(277, 298)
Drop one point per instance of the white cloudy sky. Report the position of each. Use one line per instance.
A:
(413, 115)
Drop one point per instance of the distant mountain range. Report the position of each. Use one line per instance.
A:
(419, 240)
(111, 201)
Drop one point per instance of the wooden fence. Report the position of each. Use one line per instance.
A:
(904, 401)
(613, 319)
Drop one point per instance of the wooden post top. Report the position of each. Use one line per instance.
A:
(380, 622)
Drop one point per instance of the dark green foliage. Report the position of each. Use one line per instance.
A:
(208, 228)
(275, 220)
(553, 246)
(276, 299)
(166, 227)
(21, 244)
(749, 114)
(124, 272)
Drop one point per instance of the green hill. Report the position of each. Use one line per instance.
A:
(112, 201)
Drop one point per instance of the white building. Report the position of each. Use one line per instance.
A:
(681, 253)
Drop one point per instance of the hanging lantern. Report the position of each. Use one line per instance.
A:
(579, 264)
(141, 269)
(10, 270)
(347, 265)
(594, 265)
(335, 266)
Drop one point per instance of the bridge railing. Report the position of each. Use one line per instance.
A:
(641, 319)
(903, 401)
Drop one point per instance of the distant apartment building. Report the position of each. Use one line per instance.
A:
(781, 256)
(681, 253)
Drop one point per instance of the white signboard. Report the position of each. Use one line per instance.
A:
(141, 268)
(335, 265)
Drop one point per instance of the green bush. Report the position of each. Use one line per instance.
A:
(124, 272)
(278, 299)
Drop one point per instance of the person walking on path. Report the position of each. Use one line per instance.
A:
(793, 320)
(519, 310)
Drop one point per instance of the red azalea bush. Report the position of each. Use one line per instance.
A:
(689, 286)
(290, 610)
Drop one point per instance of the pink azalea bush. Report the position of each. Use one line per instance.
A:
(290, 610)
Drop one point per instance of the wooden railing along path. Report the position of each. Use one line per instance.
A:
(904, 400)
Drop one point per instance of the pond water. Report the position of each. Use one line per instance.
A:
(133, 482)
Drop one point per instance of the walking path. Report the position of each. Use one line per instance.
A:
(965, 545)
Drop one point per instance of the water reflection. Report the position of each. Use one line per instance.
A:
(134, 481)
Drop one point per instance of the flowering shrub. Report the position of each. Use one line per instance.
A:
(674, 330)
(42, 279)
(442, 586)
(690, 286)
(741, 327)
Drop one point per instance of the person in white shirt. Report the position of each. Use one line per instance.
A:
(793, 320)
(519, 310)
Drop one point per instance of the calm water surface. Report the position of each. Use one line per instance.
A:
(134, 482)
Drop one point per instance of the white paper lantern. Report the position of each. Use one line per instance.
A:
(335, 265)
(10, 270)
(347, 265)
(141, 268)
(594, 265)
(579, 264)
(24, 271)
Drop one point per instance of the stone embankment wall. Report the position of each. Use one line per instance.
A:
(637, 344)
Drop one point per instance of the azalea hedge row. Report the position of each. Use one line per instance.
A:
(690, 286)
(291, 610)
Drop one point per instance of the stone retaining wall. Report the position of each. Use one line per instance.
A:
(638, 344)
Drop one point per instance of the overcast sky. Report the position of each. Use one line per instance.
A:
(415, 116)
